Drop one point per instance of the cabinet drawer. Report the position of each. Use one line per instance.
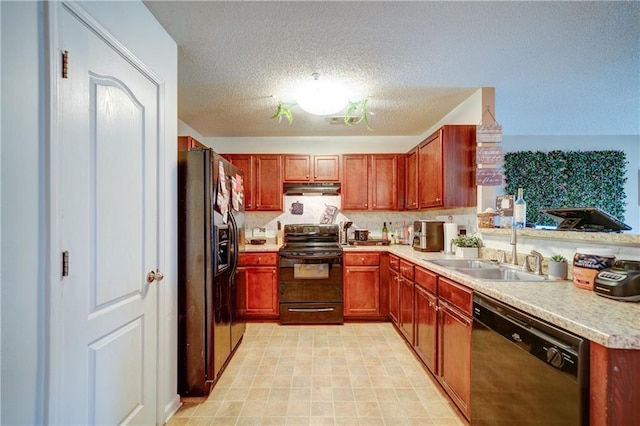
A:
(456, 294)
(394, 262)
(362, 259)
(406, 269)
(262, 258)
(426, 279)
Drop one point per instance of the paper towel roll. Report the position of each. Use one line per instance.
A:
(450, 232)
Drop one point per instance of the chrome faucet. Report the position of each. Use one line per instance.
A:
(514, 242)
(538, 264)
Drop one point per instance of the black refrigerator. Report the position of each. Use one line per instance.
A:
(210, 239)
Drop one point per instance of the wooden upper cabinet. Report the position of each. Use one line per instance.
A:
(355, 185)
(185, 143)
(431, 173)
(384, 182)
(311, 168)
(297, 168)
(262, 180)
(326, 168)
(267, 182)
(411, 179)
(446, 168)
(244, 162)
(370, 182)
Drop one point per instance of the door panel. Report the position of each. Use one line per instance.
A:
(107, 211)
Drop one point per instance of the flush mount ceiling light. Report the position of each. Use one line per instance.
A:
(321, 97)
(325, 98)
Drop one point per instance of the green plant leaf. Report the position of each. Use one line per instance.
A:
(283, 111)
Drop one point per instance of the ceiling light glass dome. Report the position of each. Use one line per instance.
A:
(322, 97)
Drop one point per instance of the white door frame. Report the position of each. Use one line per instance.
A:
(50, 159)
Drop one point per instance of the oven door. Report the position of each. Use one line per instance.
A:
(310, 289)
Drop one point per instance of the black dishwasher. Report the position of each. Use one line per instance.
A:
(525, 371)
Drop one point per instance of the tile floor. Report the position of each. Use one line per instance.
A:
(353, 374)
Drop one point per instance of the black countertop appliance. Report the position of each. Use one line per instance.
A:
(620, 282)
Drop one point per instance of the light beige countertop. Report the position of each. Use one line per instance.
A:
(610, 323)
(270, 245)
(620, 239)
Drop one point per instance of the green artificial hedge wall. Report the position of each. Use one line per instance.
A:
(559, 179)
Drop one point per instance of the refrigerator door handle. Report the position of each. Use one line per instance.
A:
(234, 241)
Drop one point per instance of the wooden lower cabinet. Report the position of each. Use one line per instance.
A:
(406, 309)
(257, 285)
(614, 388)
(405, 321)
(455, 302)
(426, 324)
(361, 285)
(394, 296)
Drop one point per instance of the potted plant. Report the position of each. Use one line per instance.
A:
(466, 246)
(558, 267)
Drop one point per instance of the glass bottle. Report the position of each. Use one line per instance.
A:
(520, 211)
(385, 231)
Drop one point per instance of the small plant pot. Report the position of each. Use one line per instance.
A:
(467, 252)
(558, 270)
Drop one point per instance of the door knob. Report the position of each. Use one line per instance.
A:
(154, 276)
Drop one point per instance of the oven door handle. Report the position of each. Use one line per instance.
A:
(307, 257)
(311, 309)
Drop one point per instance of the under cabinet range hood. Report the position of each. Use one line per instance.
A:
(312, 188)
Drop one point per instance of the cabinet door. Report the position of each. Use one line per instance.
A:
(185, 143)
(355, 192)
(406, 308)
(411, 179)
(326, 168)
(244, 162)
(394, 296)
(268, 182)
(296, 168)
(261, 291)
(426, 323)
(430, 184)
(454, 355)
(384, 182)
(361, 291)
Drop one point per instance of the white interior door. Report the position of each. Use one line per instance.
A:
(107, 207)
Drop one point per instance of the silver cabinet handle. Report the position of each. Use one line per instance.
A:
(311, 309)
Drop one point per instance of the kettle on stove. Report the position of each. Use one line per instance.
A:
(620, 282)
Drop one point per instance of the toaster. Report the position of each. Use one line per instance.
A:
(619, 282)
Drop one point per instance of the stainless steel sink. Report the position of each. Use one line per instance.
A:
(487, 271)
(500, 274)
(465, 263)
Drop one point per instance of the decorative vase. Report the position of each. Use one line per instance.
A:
(467, 252)
(558, 270)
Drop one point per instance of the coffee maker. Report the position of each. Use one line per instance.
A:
(344, 232)
(428, 235)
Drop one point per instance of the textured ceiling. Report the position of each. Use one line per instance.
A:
(558, 67)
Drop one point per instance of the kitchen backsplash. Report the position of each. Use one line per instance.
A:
(313, 208)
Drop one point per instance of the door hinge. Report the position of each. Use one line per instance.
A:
(65, 64)
(65, 263)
